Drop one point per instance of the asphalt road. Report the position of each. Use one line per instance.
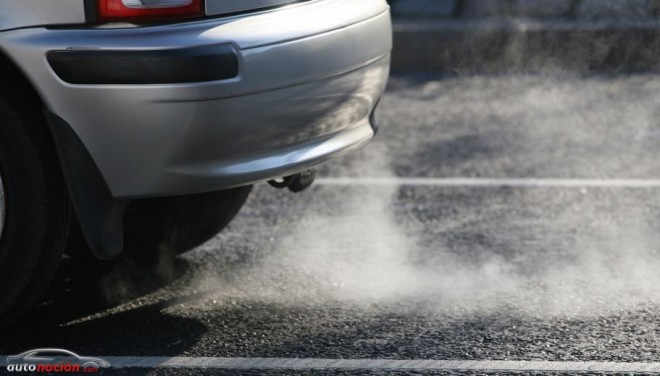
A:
(540, 268)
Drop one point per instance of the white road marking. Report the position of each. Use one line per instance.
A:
(493, 182)
(301, 364)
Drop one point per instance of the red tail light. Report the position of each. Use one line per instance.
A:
(147, 10)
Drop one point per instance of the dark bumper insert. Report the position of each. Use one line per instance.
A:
(97, 67)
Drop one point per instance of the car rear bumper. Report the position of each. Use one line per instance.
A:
(307, 80)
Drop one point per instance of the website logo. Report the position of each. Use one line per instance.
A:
(54, 361)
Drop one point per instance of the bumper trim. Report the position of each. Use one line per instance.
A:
(170, 66)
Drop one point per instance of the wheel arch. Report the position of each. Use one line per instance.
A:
(99, 215)
(13, 77)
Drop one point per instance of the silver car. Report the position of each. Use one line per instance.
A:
(137, 126)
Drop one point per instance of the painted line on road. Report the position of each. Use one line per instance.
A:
(306, 364)
(492, 182)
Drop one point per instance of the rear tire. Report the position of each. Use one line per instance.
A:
(36, 206)
(170, 226)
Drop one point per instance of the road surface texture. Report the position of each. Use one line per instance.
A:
(494, 218)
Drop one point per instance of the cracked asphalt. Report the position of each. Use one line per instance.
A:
(413, 271)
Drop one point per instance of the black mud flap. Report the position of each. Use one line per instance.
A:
(101, 217)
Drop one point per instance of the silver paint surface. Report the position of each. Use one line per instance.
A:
(29, 13)
(215, 7)
(310, 76)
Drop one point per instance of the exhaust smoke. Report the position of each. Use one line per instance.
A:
(532, 251)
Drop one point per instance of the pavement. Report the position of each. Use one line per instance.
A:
(508, 218)
(546, 9)
(516, 36)
(512, 45)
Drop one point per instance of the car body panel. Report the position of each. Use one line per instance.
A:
(216, 7)
(29, 13)
(310, 76)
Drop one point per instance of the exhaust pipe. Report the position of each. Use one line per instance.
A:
(296, 183)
